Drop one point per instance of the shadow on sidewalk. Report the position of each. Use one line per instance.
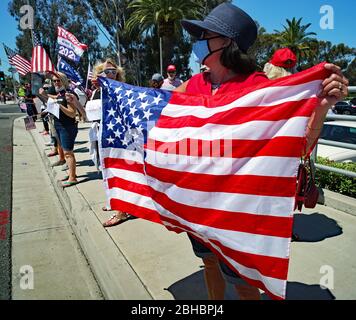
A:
(90, 176)
(193, 288)
(314, 227)
(85, 163)
(80, 142)
(302, 291)
(81, 150)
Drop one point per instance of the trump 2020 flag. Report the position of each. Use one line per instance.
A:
(69, 71)
(222, 168)
(69, 46)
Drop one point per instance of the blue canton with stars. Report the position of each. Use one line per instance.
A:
(128, 113)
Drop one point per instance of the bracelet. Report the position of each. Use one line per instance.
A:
(314, 129)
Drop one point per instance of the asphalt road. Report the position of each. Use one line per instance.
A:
(7, 115)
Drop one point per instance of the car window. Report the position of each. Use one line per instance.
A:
(339, 133)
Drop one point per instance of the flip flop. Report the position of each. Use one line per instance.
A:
(66, 178)
(114, 220)
(65, 184)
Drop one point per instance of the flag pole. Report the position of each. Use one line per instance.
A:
(86, 84)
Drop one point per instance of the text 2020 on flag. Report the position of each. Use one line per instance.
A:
(222, 168)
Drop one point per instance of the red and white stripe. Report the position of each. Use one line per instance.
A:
(239, 203)
(22, 65)
(41, 61)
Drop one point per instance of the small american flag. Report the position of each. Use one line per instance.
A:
(41, 61)
(22, 65)
(222, 168)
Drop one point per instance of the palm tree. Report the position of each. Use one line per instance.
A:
(295, 37)
(163, 17)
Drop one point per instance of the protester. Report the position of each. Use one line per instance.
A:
(156, 81)
(223, 40)
(66, 126)
(3, 97)
(44, 115)
(95, 99)
(112, 71)
(282, 60)
(30, 104)
(172, 81)
(21, 93)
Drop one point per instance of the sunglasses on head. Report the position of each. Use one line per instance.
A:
(108, 71)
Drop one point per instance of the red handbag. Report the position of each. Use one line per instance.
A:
(307, 192)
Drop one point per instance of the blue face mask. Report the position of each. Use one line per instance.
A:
(202, 51)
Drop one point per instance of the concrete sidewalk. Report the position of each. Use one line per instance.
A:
(139, 259)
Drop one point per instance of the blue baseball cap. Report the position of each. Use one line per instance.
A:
(226, 20)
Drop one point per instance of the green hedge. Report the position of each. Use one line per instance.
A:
(334, 181)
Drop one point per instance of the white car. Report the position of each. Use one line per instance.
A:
(338, 131)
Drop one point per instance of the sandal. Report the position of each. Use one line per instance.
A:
(106, 209)
(115, 220)
(65, 184)
(66, 178)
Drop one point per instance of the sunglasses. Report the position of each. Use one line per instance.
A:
(108, 71)
(56, 80)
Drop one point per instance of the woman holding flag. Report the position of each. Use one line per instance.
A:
(223, 39)
(112, 71)
(66, 125)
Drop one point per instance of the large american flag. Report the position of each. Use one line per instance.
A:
(22, 65)
(222, 168)
(41, 61)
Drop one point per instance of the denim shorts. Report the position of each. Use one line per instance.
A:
(201, 251)
(66, 135)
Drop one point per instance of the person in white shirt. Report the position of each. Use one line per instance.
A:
(172, 81)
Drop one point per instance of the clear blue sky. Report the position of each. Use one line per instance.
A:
(271, 14)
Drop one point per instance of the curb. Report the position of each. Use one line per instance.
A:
(340, 202)
(114, 275)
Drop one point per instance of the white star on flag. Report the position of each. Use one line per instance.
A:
(133, 110)
(118, 119)
(136, 120)
(147, 114)
(128, 93)
(144, 104)
(119, 97)
(117, 90)
(110, 140)
(111, 112)
(157, 99)
(110, 126)
(117, 133)
(130, 101)
(142, 95)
